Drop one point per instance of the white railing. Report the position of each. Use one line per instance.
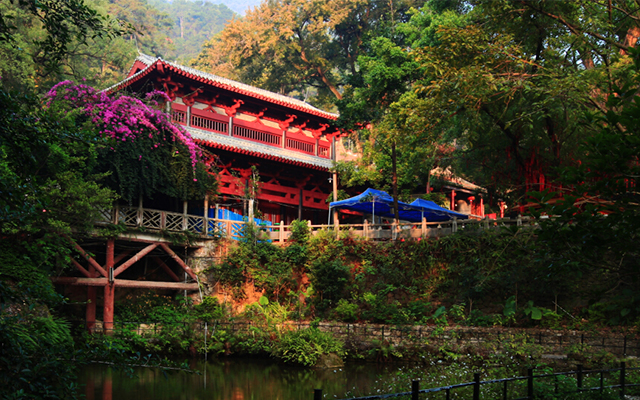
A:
(158, 220)
(403, 231)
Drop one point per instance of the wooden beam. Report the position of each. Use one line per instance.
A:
(87, 257)
(177, 259)
(121, 256)
(134, 259)
(157, 285)
(74, 281)
(166, 268)
(125, 283)
(81, 268)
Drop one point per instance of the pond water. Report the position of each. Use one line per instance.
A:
(233, 379)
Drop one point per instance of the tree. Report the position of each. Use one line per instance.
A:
(40, 34)
(399, 146)
(284, 43)
(193, 24)
(596, 222)
(300, 47)
(47, 183)
(519, 92)
(144, 153)
(503, 83)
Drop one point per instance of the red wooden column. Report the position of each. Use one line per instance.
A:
(453, 199)
(91, 303)
(90, 389)
(107, 386)
(109, 289)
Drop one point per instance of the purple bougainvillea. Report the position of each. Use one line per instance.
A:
(124, 118)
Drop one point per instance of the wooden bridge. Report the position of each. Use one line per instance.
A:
(146, 257)
(208, 228)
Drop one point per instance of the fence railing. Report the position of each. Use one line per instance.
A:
(530, 387)
(160, 220)
(403, 231)
(515, 388)
(551, 341)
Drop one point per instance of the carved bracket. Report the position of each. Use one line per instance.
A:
(231, 110)
(190, 98)
(170, 87)
(284, 125)
(317, 133)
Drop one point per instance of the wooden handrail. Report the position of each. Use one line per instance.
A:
(179, 222)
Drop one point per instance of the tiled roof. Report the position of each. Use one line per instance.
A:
(223, 83)
(259, 150)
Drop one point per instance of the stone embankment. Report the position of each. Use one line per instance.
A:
(552, 341)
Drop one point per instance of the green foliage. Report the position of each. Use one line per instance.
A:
(148, 306)
(46, 158)
(596, 219)
(306, 346)
(18, 267)
(330, 281)
(271, 267)
(192, 24)
(346, 310)
(36, 361)
(60, 25)
(37, 352)
(299, 232)
(209, 310)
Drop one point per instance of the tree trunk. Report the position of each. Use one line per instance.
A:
(330, 85)
(394, 182)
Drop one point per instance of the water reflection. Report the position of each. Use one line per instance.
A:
(231, 379)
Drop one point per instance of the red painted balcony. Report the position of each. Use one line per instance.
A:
(250, 131)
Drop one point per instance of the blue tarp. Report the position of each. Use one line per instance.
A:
(229, 215)
(375, 202)
(379, 203)
(232, 216)
(435, 213)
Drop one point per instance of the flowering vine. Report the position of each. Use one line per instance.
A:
(124, 118)
(141, 152)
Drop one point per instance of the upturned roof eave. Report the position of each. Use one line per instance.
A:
(221, 83)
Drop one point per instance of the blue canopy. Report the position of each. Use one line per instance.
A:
(375, 202)
(379, 203)
(434, 213)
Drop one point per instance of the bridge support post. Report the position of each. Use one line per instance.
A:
(109, 289)
(91, 305)
(91, 308)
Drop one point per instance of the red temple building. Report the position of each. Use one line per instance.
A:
(270, 151)
(291, 144)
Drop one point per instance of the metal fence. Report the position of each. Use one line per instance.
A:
(526, 387)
